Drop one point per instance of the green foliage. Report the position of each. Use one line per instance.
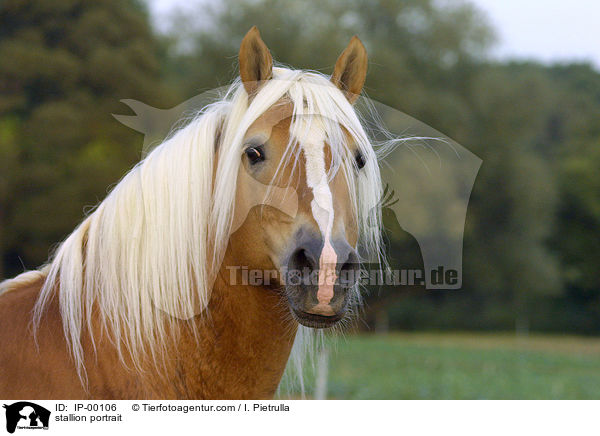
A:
(531, 236)
(579, 217)
(65, 66)
(429, 61)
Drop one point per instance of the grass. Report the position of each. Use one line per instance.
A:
(463, 366)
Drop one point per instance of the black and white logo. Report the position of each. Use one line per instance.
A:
(26, 415)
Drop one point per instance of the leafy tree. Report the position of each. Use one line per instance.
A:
(66, 64)
(530, 256)
(532, 211)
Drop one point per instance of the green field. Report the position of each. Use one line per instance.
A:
(463, 366)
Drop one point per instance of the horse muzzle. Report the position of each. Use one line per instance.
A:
(319, 280)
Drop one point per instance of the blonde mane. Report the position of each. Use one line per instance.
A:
(158, 238)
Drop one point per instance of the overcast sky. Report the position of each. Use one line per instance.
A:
(546, 30)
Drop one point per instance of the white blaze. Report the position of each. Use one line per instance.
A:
(313, 143)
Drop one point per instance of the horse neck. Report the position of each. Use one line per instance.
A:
(244, 342)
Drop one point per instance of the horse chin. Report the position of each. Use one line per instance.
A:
(315, 321)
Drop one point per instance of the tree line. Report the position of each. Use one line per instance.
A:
(532, 228)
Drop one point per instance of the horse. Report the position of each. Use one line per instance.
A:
(146, 297)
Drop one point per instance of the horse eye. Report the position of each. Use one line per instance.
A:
(361, 161)
(255, 154)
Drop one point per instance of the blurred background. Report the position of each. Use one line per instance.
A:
(517, 83)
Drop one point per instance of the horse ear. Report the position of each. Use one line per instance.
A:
(351, 69)
(256, 63)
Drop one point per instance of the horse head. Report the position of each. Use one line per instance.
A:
(303, 144)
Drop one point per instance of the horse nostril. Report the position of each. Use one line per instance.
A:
(349, 270)
(301, 260)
